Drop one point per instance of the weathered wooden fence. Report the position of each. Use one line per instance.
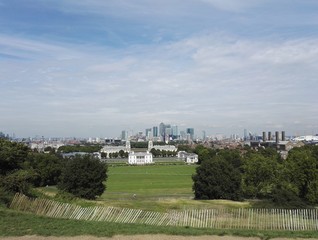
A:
(258, 219)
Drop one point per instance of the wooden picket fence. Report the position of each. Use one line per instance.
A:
(257, 219)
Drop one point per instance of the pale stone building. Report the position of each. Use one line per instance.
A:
(115, 149)
(171, 148)
(188, 157)
(140, 158)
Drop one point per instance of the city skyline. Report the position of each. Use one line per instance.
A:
(93, 68)
(171, 133)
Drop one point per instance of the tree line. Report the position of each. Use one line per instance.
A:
(258, 174)
(21, 169)
(222, 174)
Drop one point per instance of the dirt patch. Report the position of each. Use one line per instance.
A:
(141, 237)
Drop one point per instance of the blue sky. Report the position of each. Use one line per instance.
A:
(94, 68)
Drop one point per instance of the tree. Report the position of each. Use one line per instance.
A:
(217, 179)
(301, 168)
(121, 153)
(185, 148)
(12, 155)
(232, 156)
(103, 155)
(18, 181)
(48, 168)
(260, 175)
(84, 177)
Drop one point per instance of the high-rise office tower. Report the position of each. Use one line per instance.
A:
(155, 131)
(245, 135)
(162, 129)
(124, 135)
(148, 133)
(203, 135)
(174, 131)
(190, 131)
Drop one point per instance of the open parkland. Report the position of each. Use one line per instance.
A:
(162, 188)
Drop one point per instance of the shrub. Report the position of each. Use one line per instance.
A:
(83, 176)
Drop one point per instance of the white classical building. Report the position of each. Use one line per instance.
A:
(171, 148)
(140, 158)
(188, 157)
(115, 149)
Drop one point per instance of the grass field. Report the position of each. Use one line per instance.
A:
(149, 182)
(13, 223)
(157, 188)
(154, 188)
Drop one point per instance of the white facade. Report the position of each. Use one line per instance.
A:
(307, 138)
(140, 158)
(115, 149)
(40, 146)
(188, 157)
(171, 148)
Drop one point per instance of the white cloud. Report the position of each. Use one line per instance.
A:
(301, 51)
(201, 81)
(234, 5)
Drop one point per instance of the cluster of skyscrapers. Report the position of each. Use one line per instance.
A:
(163, 132)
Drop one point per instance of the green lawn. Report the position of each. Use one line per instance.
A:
(157, 188)
(149, 182)
(13, 223)
(154, 188)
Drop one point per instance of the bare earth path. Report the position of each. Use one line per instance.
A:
(141, 237)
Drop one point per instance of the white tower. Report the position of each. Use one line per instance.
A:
(150, 145)
(128, 146)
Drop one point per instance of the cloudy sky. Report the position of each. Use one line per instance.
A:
(95, 67)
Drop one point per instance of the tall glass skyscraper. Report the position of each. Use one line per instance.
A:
(155, 131)
(174, 131)
(191, 132)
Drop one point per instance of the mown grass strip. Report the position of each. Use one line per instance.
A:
(14, 223)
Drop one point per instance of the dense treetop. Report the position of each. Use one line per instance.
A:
(264, 175)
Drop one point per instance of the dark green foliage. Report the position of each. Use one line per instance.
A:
(80, 148)
(84, 177)
(204, 153)
(18, 181)
(301, 170)
(269, 153)
(185, 147)
(12, 155)
(48, 168)
(49, 149)
(162, 153)
(155, 152)
(217, 179)
(293, 182)
(12, 176)
(121, 153)
(113, 155)
(231, 156)
(139, 144)
(260, 175)
(5, 196)
(286, 198)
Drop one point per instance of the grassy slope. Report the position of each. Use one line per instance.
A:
(157, 188)
(13, 223)
(150, 181)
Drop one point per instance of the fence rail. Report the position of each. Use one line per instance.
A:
(257, 219)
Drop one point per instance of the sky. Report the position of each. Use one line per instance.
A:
(93, 68)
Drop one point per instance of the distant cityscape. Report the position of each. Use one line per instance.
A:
(166, 133)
